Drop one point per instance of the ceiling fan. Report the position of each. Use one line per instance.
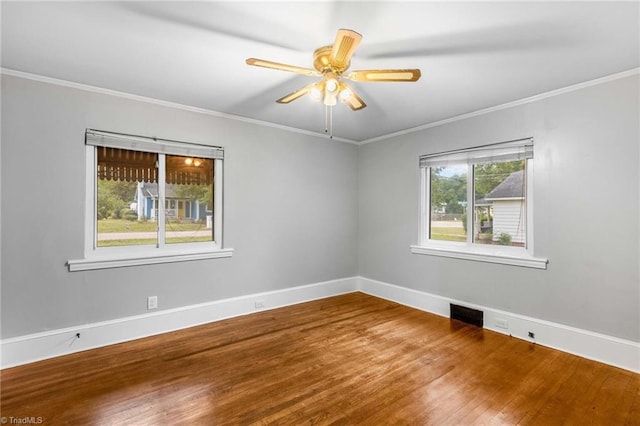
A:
(331, 64)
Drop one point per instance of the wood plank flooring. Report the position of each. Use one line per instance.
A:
(349, 360)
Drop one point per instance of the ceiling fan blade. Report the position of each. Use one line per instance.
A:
(385, 75)
(354, 101)
(295, 95)
(343, 48)
(282, 67)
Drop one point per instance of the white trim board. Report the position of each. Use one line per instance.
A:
(39, 346)
(587, 344)
(125, 95)
(95, 89)
(530, 99)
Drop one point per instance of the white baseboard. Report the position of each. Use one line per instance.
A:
(599, 347)
(35, 347)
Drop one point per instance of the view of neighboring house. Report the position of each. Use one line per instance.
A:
(176, 207)
(483, 215)
(508, 204)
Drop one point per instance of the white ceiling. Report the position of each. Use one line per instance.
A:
(472, 55)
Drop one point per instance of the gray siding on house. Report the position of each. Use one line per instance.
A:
(509, 208)
(508, 217)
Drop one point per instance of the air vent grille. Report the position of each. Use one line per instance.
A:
(467, 315)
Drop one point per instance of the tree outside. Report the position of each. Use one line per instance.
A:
(449, 197)
(114, 198)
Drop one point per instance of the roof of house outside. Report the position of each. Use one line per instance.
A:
(511, 187)
(150, 189)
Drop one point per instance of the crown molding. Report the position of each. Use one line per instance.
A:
(125, 95)
(129, 96)
(535, 98)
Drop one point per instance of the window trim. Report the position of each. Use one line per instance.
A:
(508, 255)
(115, 257)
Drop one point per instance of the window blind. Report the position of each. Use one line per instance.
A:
(146, 144)
(506, 151)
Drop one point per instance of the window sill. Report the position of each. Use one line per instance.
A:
(502, 255)
(121, 260)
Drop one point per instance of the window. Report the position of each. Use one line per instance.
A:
(129, 178)
(476, 204)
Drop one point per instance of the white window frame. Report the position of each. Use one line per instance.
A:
(509, 255)
(113, 257)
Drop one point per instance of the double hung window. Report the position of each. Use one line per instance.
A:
(150, 200)
(477, 204)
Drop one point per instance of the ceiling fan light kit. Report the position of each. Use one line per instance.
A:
(331, 63)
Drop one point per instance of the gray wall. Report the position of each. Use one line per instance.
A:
(300, 210)
(586, 219)
(290, 209)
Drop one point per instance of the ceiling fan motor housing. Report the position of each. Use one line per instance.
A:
(322, 61)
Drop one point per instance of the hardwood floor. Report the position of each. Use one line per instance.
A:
(352, 359)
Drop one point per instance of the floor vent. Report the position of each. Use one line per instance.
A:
(468, 315)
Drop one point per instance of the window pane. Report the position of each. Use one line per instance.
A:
(122, 218)
(500, 204)
(448, 203)
(189, 199)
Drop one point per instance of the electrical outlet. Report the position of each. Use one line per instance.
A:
(501, 323)
(152, 302)
(259, 304)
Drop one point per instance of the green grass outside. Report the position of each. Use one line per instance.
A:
(457, 234)
(174, 240)
(130, 242)
(448, 234)
(121, 225)
(107, 226)
(151, 241)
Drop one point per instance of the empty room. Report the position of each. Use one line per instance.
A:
(330, 212)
